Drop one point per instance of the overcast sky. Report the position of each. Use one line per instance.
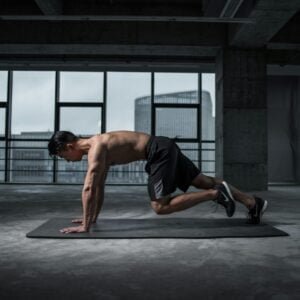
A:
(34, 93)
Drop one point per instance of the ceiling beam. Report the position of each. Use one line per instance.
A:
(107, 64)
(283, 46)
(113, 33)
(50, 7)
(190, 19)
(106, 49)
(270, 16)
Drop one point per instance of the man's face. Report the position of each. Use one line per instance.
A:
(70, 154)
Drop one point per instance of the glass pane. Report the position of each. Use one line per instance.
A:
(2, 160)
(2, 122)
(208, 107)
(30, 162)
(176, 88)
(71, 172)
(81, 87)
(208, 158)
(3, 86)
(81, 120)
(129, 101)
(176, 122)
(133, 173)
(33, 102)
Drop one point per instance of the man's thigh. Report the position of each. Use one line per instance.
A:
(205, 182)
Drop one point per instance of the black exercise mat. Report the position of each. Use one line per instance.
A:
(157, 228)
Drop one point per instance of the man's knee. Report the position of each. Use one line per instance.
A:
(159, 205)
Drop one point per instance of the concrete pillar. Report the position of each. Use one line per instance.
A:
(241, 118)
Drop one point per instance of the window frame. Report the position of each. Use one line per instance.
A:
(58, 105)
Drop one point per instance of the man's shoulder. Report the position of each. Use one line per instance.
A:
(98, 141)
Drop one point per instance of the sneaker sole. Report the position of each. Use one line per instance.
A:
(264, 208)
(228, 190)
(230, 195)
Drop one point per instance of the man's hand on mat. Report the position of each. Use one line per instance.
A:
(74, 229)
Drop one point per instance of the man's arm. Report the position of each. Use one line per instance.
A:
(99, 202)
(95, 177)
(99, 197)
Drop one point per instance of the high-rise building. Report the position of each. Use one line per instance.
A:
(187, 126)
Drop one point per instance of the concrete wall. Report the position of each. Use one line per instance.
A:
(241, 120)
(284, 129)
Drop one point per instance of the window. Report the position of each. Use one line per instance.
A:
(87, 103)
(81, 120)
(208, 106)
(208, 124)
(177, 122)
(2, 160)
(30, 162)
(33, 104)
(128, 101)
(81, 87)
(176, 88)
(2, 122)
(3, 86)
(176, 103)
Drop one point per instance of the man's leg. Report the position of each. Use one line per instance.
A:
(168, 205)
(206, 182)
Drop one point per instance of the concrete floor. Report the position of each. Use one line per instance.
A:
(231, 268)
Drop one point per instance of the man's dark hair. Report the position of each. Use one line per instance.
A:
(59, 140)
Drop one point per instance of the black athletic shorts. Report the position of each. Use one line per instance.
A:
(168, 167)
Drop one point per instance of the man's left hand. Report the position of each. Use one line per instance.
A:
(73, 229)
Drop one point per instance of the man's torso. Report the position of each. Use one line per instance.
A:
(122, 146)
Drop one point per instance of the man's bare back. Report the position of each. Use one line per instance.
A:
(122, 146)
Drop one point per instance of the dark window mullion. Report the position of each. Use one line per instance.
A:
(56, 120)
(8, 124)
(80, 104)
(199, 121)
(153, 118)
(103, 110)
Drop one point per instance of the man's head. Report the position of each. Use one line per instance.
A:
(63, 144)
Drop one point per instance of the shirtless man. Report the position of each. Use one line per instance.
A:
(167, 167)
